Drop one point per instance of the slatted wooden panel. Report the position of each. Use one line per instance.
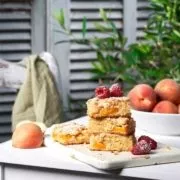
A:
(81, 84)
(143, 11)
(15, 44)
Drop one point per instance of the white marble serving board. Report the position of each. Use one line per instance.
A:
(114, 160)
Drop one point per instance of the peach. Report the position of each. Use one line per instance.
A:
(178, 99)
(27, 135)
(179, 108)
(168, 89)
(40, 124)
(142, 97)
(165, 107)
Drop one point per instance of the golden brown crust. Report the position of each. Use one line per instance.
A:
(119, 125)
(70, 133)
(111, 142)
(108, 107)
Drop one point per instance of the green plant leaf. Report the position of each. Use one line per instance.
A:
(98, 67)
(101, 60)
(103, 14)
(113, 27)
(110, 43)
(177, 33)
(59, 16)
(84, 28)
(101, 27)
(129, 57)
(122, 39)
(112, 61)
(62, 41)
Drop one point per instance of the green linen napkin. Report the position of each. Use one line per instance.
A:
(38, 98)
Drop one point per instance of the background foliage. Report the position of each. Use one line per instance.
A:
(157, 57)
(162, 47)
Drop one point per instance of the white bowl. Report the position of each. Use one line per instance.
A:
(157, 123)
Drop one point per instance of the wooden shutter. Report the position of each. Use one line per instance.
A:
(81, 84)
(15, 44)
(143, 11)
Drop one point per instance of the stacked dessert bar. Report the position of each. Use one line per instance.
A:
(110, 124)
(70, 133)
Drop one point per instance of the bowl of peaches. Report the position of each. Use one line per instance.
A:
(157, 109)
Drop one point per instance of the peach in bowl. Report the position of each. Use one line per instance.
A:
(157, 109)
(157, 123)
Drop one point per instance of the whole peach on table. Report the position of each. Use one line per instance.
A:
(165, 107)
(179, 108)
(40, 124)
(168, 89)
(27, 135)
(142, 97)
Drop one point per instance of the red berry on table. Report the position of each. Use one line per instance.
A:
(102, 92)
(149, 140)
(116, 90)
(141, 148)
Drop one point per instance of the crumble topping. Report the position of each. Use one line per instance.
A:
(69, 128)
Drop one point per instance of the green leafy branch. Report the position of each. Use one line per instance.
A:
(157, 57)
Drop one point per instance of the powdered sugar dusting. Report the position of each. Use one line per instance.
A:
(69, 128)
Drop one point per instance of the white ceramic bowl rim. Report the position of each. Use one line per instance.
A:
(157, 123)
(155, 114)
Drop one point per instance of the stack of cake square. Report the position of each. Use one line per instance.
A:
(110, 124)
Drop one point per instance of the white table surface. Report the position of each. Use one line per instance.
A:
(43, 157)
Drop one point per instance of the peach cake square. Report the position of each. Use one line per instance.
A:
(108, 107)
(116, 125)
(70, 133)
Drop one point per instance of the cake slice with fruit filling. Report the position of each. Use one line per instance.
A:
(108, 102)
(111, 142)
(70, 133)
(117, 125)
(108, 107)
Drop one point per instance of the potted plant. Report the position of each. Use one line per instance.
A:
(149, 61)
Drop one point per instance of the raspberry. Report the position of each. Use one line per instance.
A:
(116, 90)
(102, 92)
(141, 148)
(149, 140)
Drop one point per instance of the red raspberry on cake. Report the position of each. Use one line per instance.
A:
(102, 92)
(116, 90)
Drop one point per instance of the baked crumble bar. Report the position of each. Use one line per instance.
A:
(119, 125)
(108, 107)
(70, 133)
(111, 142)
